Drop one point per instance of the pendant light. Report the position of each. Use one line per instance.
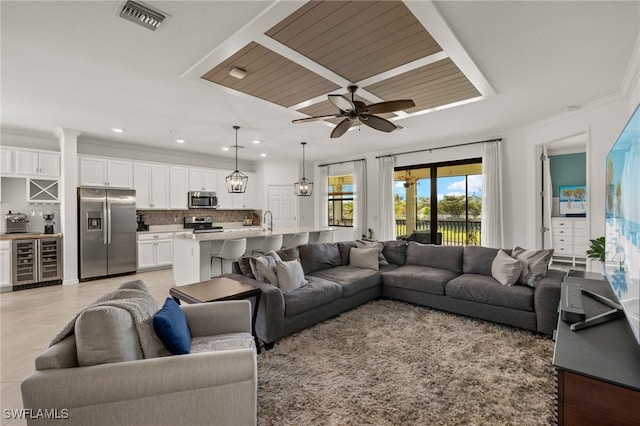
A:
(237, 181)
(304, 187)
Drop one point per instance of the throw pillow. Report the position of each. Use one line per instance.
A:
(364, 258)
(534, 264)
(377, 244)
(171, 327)
(506, 269)
(244, 264)
(264, 267)
(290, 275)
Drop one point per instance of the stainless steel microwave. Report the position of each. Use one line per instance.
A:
(203, 200)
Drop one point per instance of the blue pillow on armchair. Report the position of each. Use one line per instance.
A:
(171, 326)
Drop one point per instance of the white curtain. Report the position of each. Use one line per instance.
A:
(548, 199)
(360, 198)
(387, 202)
(322, 191)
(492, 211)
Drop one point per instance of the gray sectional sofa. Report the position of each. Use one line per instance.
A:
(454, 279)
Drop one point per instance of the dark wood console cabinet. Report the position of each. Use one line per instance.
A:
(597, 369)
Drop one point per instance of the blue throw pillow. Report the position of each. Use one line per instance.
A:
(171, 327)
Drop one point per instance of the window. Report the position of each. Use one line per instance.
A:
(341, 200)
(442, 196)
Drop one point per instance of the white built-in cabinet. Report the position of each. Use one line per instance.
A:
(178, 187)
(155, 250)
(151, 182)
(5, 265)
(570, 241)
(159, 185)
(21, 162)
(203, 179)
(105, 172)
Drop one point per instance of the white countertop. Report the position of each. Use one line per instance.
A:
(179, 227)
(254, 233)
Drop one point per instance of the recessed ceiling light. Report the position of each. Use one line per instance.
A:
(180, 140)
(263, 155)
(225, 148)
(256, 141)
(115, 129)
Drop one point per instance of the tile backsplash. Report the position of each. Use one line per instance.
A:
(176, 217)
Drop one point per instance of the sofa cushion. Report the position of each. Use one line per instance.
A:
(171, 327)
(477, 260)
(106, 334)
(316, 293)
(377, 244)
(419, 278)
(317, 256)
(483, 289)
(289, 253)
(442, 257)
(352, 280)
(395, 251)
(345, 248)
(505, 269)
(222, 342)
(364, 258)
(534, 264)
(290, 275)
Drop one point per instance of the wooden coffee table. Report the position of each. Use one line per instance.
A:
(216, 290)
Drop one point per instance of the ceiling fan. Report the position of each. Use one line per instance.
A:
(353, 111)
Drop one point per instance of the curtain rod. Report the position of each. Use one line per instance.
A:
(439, 147)
(342, 162)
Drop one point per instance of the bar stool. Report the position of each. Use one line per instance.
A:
(270, 242)
(300, 238)
(231, 250)
(325, 237)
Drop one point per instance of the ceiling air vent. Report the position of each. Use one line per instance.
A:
(142, 15)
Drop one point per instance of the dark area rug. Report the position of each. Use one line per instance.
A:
(391, 363)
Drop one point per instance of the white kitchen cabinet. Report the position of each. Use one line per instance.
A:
(105, 172)
(203, 179)
(178, 187)
(225, 200)
(36, 163)
(6, 160)
(5, 266)
(151, 182)
(245, 200)
(155, 250)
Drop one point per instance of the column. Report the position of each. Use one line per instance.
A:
(68, 139)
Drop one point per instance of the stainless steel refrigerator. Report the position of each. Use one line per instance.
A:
(107, 232)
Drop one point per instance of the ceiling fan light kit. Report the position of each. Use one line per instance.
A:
(238, 73)
(303, 187)
(237, 181)
(353, 111)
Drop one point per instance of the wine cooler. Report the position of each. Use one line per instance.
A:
(36, 260)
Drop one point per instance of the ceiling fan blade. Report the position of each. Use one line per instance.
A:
(341, 102)
(377, 123)
(389, 106)
(341, 128)
(316, 118)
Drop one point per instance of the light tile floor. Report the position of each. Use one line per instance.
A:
(29, 319)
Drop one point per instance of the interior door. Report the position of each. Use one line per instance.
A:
(283, 205)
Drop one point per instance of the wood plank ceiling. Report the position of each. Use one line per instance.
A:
(358, 41)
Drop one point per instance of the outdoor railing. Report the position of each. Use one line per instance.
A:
(454, 232)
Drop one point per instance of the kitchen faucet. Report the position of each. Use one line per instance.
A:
(264, 219)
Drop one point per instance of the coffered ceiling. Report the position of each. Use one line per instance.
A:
(475, 69)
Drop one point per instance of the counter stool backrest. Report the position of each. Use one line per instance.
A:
(270, 242)
(325, 237)
(300, 238)
(231, 250)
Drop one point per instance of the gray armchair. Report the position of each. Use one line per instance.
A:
(215, 385)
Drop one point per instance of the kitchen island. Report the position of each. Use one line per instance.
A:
(192, 253)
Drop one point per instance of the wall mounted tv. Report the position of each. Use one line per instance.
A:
(622, 229)
(573, 200)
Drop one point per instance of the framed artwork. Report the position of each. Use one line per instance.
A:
(573, 200)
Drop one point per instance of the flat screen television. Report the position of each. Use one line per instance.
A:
(622, 229)
(573, 200)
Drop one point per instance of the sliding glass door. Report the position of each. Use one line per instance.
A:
(445, 197)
